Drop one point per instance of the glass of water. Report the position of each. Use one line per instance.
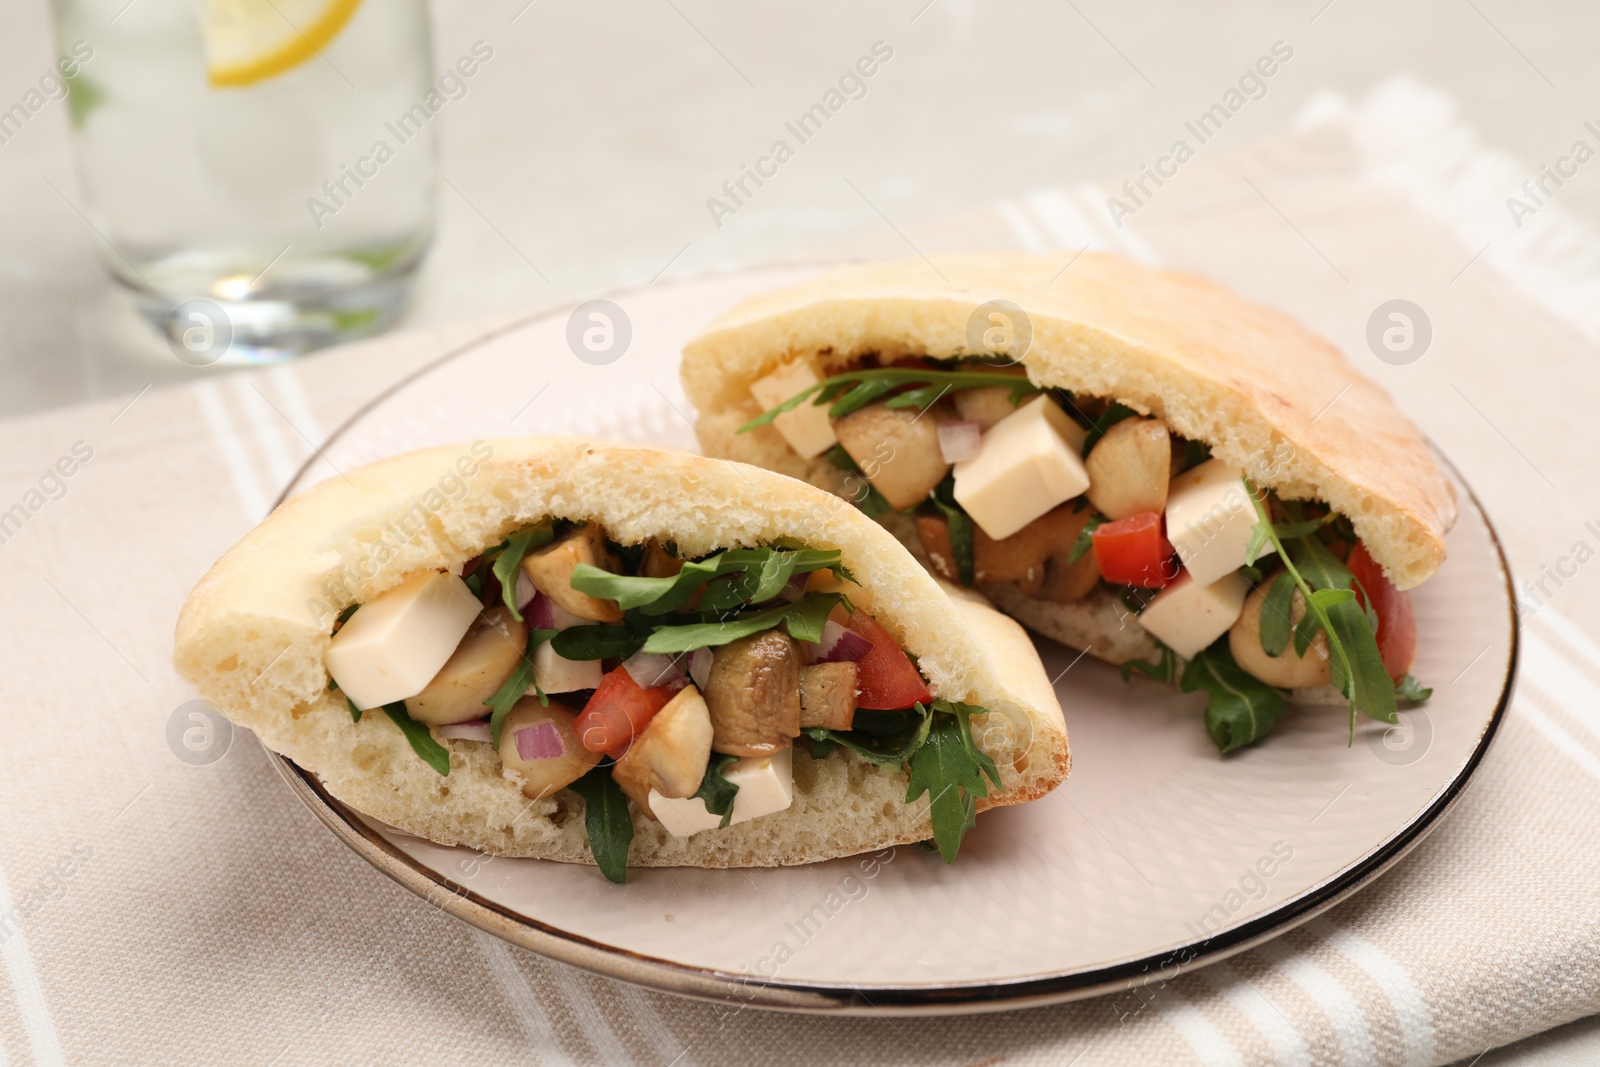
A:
(261, 172)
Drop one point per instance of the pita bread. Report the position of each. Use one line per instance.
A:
(252, 637)
(1265, 393)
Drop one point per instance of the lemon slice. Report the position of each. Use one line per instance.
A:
(248, 41)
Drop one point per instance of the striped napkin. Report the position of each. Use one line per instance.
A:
(167, 910)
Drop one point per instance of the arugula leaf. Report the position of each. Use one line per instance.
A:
(945, 769)
(1164, 670)
(960, 526)
(1241, 709)
(1194, 454)
(608, 821)
(716, 791)
(1277, 617)
(344, 617)
(862, 387)
(963, 714)
(516, 686)
(474, 581)
(599, 641)
(804, 620)
(1355, 663)
(1085, 541)
(355, 712)
(1114, 413)
(507, 563)
(432, 752)
(1410, 689)
(868, 500)
(768, 570)
(884, 745)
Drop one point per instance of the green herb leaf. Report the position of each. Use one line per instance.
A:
(960, 525)
(1164, 670)
(1114, 413)
(1194, 454)
(432, 752)
(856, 389)
(344, 617)
(1241, 709)
(355, 712)
(886, 738)
(1277, 616)
(1085, 541)
(944, 769)
(768, 570)
(717, 791)
(963, 714)
(1288, 531)
(804, 620)
(608, 821)
(509, 561)
(1411, 689)
(599, 642)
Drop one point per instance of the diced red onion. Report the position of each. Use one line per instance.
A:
(540, 741)
(839, 645)
(959, 440)
(477, 730)
(650, 669)
(700, 666)
(796, 587)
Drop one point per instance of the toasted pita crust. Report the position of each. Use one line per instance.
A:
(252, 635)
(1257, 386)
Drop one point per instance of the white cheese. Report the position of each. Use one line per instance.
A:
(1209, 519)
(1028, 463)
(807, 428)
(766, 785)
(557, 674)
(391, 648)
(1188, 616)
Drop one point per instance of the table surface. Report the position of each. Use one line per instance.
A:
(582, 158)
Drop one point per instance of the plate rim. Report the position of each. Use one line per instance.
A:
(1006, 994)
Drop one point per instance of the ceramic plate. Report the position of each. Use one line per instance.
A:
(1156, 853)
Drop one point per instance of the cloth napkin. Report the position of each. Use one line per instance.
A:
(161, 910)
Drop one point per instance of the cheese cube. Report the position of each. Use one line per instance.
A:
(557, 674)
(396, 643)
(766, 785)
(1188, 616)
(1028, 463)
(807, 428)
(1209, 519)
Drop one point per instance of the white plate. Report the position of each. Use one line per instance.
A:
(1156, 853)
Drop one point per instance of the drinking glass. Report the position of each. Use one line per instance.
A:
(261, 172)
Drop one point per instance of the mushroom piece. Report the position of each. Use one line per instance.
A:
(828, 695)
(671, 755)
(1285, 670)
(550, 570)
(897, 449)
(539, 748)
(657, 562)
(476, 670)
(985, 405)
(1129, 468)
(753, 694)
(1035, 557)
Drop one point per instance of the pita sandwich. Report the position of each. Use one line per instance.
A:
(1096, 449)
(571, 650)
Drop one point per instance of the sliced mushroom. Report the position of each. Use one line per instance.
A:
(550, 570)
(753, 694)
(1035, 557)
(555, 758)
(897, 449)
(1286, 670)
(476, 670)
(1129, 468)
(985, 405)
(671, 755)
(828, 695)
(658, 562)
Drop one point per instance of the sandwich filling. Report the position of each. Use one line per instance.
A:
(628, 674)
(1244, 595)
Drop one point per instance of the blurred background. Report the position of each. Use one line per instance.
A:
(582, 155)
